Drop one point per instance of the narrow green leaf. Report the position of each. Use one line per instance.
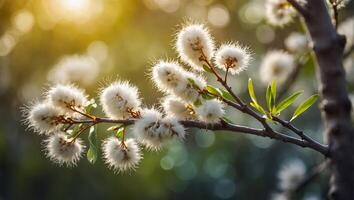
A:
(215, 91)
(251, 90)
(91, 104)
(92, 153)
(304, 106)
(258, 107)
(274, 90)
(208, 96)
(119, 133)
(269, 98)
(288, 101)
(207, 69)
(226, 95)
(192, 82)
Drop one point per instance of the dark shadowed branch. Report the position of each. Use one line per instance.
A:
(328, 48)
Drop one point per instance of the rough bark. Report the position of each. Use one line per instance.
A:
(328, 47)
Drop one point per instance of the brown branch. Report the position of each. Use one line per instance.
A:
(224, 126)
(328, 47)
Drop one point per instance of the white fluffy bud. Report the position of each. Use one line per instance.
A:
(279, 12)
(176, 108)
(121, 157)
(172, 78)
(153, 131)
(211, 111)
(191, 40)
(63, 96)
(296, 42)
(232, 56)
(291, 174)
(120, 99)
(61, 151)
(276, 65)
(42, 117)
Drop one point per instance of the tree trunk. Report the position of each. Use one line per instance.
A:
(335, 104)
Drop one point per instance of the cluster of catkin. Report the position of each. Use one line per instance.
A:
(64, 105)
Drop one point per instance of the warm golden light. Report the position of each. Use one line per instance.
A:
(75, 5)
(79, 11)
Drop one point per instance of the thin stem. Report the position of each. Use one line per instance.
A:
(240, 105)
(227, 72)
(82, 130)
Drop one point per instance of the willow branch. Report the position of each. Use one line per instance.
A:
(222, 126)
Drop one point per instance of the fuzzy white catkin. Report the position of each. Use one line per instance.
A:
(291, 174)
(62, 96)
(61, 151)
(42, 117)
(75, 69)
(279, 12)
(119, 99)
(153, 131)
(276, 65)
(176, 108)
(232, 56)
(296, 42)
(210, 111)
(347, 28)
(119, 157)
(190, 41)
(171, 78)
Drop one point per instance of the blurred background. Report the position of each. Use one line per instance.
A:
(120, 39)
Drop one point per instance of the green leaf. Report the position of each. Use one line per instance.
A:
(274, 90)
(288, 101)
(226, 95)
(207, 69)
(92, 153)
(212, 90)
(258, 107)
(120, 132)
(91, 104)
(192, 82)
(304, 106)
(251, 91)
(208, 96)
(269, 98)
